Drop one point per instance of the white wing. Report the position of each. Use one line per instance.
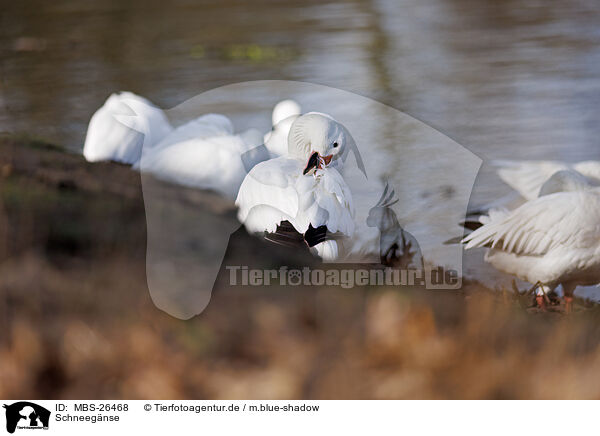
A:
(325, 200)
(268, 195)
(121, 126)
(203, 127)
(276, 190)
(561, 219)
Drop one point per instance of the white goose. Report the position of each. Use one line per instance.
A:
(108, 138)
(302, 192)
(550, 240)
(204, 153)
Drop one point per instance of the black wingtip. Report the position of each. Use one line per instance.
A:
(471, 225)
(454, 241)
(314, 236)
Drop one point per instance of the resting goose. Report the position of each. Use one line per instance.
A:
(115, 130)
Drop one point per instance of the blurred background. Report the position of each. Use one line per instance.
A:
(510, 79)
(501, 78)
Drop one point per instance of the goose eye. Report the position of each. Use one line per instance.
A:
(335, 144)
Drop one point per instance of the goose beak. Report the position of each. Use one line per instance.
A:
(316, 161)
(313, 163)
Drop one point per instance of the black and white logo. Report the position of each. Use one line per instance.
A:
(26, 415)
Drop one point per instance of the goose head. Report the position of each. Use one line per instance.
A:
(318, 140)
(564, 181)
(285, 110)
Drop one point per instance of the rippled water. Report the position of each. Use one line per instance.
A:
(511, 79)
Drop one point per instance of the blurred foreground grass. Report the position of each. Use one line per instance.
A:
(76, 319)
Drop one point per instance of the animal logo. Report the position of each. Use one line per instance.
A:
(26, 415)
(397, 247)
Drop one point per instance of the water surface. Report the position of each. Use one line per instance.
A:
(512, 79)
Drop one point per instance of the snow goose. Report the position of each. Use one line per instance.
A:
(203, 153)
(550, 240)
(302, 196)
(108, 138)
